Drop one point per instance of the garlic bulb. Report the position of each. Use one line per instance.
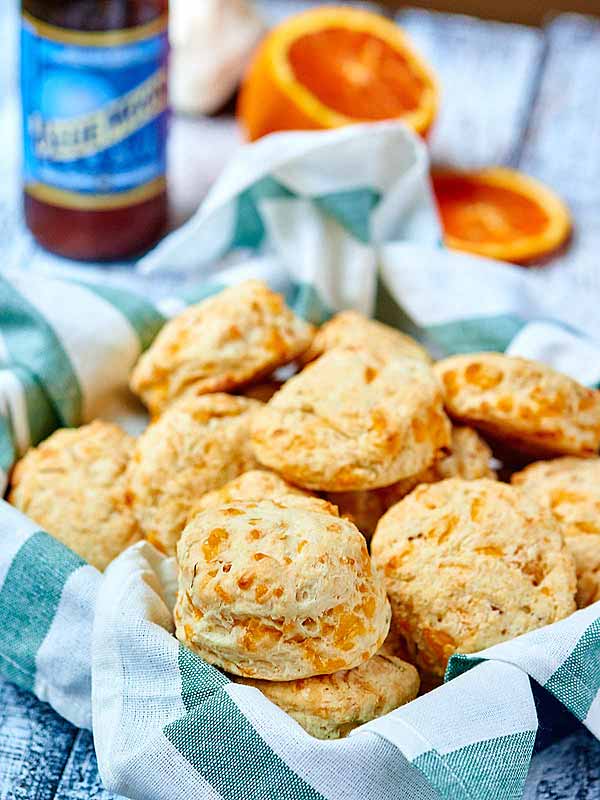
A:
(211, 42)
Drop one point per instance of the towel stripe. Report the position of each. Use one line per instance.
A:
(99, 341)
(26, 417)
(27, 612)
(577, 681)
(249, 231)
(13, 405)
(307, 303)
(352, 209)
(41, 415)
(7, 447)
(221, 744)
(494, 768)
(68, 686)
(198, 679)
(32, 343)
(476, 334)
(145, 319)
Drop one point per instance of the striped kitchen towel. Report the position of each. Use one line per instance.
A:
(101, 650)
(335, 219)
(346, 218)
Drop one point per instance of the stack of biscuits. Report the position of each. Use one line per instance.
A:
(341, 534)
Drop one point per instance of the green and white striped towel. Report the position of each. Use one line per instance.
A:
(340, 218)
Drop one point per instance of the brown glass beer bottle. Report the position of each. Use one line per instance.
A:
(94, 91)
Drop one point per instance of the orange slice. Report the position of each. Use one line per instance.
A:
(500, 213)
(333, 66)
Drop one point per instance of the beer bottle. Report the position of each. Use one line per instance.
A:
(94, 93)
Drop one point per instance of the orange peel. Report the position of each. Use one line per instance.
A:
(500, 213)
(334, 66)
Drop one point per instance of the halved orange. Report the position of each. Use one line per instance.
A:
(500, 213)
(333, 66)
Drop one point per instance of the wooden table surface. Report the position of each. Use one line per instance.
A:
(525, 97)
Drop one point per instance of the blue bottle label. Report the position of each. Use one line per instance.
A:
(94, 114)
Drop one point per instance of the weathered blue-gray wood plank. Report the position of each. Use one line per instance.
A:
(34, 746)
(80, 779)
(487, 72)
(562, 143)
(569, 770)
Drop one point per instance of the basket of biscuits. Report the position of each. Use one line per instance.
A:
(329, 566)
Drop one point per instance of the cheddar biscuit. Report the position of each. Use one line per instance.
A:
(570, 487)
(353, 420)
(528, 405)
(469, 458)
(197, 445)
(74, 486)
(278, 593)
(364, 508)
(468, 564)
(260, 484)
(330, 706)
(352, 329)
(226, 341)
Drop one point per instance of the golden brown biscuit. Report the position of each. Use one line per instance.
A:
(364, 508)
(571, 489)
(278, 593)
(469, 458)
(260, 484)
(353, 420)
(74, 486)
(228, 340)
(352, 329)
(468, 564)
(330, 706)
(529, 405)
(197, 445)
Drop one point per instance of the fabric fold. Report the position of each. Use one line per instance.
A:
(47, 604)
